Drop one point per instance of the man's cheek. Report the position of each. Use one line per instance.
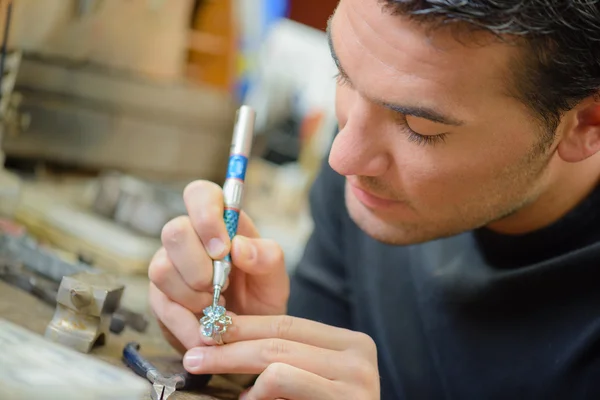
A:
(432, 184)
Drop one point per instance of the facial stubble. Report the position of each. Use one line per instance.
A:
(528, 173)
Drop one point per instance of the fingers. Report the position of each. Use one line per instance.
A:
(245, 328)
(246, 227)
(181, 322)
(263, 261)
(257, 256)
(187, 254)
(253, 357)
(165, 277)
(171, 339)
(285, 381)
(204, 203)
(348, 373)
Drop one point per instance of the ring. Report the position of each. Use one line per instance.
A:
(215, 323)
(218, 338)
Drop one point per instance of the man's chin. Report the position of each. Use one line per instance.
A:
(387, 231)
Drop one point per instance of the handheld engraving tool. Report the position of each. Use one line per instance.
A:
(241, 146)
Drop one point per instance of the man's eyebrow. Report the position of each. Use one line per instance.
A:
(419, 112)
(423, 112)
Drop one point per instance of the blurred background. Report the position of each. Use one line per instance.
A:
(110, 107)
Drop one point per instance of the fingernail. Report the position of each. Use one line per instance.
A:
(216, 247)
(193, 359)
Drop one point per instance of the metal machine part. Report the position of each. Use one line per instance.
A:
(162, 387)
(22, 248)
(25, 264)
(46, 290)
(125, 317)
(85, 304)
(14, 274)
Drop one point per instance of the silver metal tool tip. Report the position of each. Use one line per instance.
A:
(216, 296)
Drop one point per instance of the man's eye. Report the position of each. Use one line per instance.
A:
(425, 139)
(419, 138)
(341, 79)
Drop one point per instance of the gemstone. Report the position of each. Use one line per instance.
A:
(215, 321)
(207, 330)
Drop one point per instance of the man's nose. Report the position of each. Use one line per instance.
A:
(360, 147)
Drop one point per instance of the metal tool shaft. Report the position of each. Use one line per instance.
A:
(216, 295)
(233, 188)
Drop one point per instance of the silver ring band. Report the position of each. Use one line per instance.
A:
(218, 338)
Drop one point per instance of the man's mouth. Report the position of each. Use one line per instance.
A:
(370, 199)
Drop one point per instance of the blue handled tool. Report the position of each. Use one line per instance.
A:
(162, 387)
(233, 188)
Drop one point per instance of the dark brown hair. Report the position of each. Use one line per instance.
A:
(560, 38)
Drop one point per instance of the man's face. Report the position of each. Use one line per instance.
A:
(430, 141)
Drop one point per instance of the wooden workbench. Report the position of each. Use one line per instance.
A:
(25, 310)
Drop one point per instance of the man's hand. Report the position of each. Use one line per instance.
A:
(297, 359)
(181, 271)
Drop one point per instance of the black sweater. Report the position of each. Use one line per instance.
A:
(475, 316)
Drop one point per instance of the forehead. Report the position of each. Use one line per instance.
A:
(390, 56)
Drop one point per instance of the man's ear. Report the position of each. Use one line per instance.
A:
(581, 132)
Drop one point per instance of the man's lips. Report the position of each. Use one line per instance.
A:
(370, 200)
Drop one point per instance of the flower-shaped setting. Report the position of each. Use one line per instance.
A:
(215, 322)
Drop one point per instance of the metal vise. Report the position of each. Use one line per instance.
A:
(85, 304)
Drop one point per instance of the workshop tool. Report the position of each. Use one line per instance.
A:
(215, 321)
(39, 271)
(162, 387)
(46, 290)
(14, 274)
(20, 246)
(85, 304)
(125, 317)
(32, 367)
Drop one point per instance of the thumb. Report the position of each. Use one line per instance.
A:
(262, 260)
(257, 256)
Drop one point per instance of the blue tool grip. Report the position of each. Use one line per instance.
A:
(231, 221)
(233, 189)
(135, 361)
(236, 169)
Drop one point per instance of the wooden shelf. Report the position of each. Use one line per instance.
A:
(312, 12)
